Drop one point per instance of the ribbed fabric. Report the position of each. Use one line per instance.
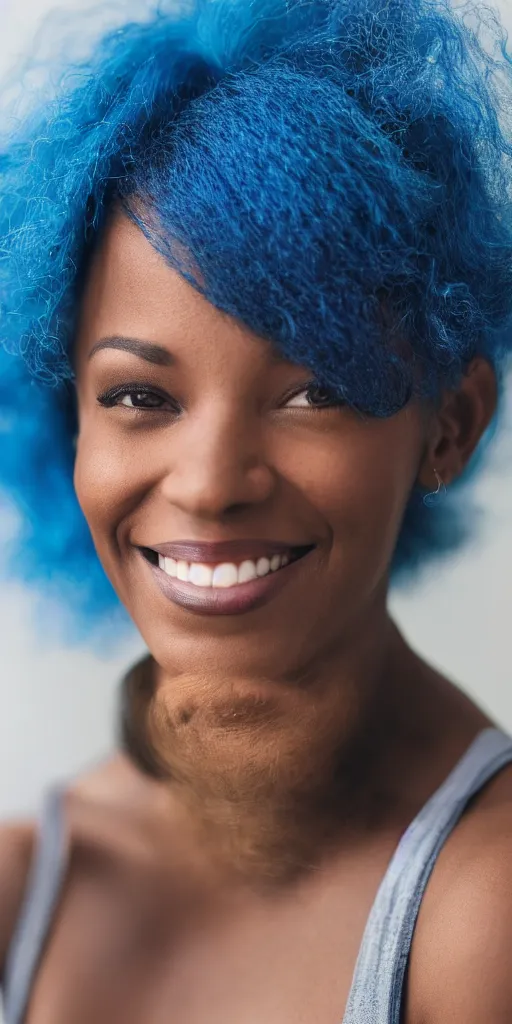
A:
(44, 887)
(376, 993)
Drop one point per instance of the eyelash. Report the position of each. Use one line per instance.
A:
(333, 401)
(112, 398)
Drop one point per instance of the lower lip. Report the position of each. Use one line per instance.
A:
(225, 601)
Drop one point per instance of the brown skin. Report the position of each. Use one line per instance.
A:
(238, 887)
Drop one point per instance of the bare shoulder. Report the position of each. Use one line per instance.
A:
(115, 803)
(118, 783)
(113, 846)
(460, 967)
(16, 851)
(117, 821)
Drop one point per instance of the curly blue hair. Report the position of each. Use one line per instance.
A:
(333, 173)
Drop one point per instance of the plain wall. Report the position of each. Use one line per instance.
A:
(57, 706)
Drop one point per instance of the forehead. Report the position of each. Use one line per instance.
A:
(132, 291)
(129, 278)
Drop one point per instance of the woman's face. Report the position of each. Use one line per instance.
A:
(200, 445)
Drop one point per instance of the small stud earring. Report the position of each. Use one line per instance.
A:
(434, 498)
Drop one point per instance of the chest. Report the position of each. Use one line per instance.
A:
(110, 960)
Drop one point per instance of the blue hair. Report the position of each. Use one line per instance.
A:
(335, 174)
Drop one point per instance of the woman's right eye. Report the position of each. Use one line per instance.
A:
(141, 399)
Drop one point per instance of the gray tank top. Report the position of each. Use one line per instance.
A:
(376, 993)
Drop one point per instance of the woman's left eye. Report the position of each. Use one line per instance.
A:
(314, 396)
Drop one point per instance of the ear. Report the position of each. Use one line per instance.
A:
(458, 424)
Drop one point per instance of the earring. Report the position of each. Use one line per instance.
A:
(434, 498)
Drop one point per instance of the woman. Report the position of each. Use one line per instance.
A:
(257, 297)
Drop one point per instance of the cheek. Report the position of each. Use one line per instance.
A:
(107, 482)
(360, 479)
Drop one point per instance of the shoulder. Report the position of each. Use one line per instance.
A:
(110, 816)
(117, 823)
(112, 830)
(16, 851)
(460, 965)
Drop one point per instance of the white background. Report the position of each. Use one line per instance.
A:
(57, 707)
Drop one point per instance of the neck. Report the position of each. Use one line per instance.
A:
(271, 774)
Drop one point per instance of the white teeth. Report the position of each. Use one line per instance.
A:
(247, 572)
(200, 575)
(225, 575)
(222, 576)
(263, 566)
(183, 571)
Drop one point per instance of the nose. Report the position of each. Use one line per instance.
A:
(218, 465)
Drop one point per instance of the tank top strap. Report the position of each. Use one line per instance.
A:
(43, 889)
(376, 993)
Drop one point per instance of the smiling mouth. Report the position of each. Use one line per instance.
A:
(226, 575)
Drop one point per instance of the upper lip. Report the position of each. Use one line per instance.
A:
(223, 551)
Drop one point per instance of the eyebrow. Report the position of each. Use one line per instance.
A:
(147, 350)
